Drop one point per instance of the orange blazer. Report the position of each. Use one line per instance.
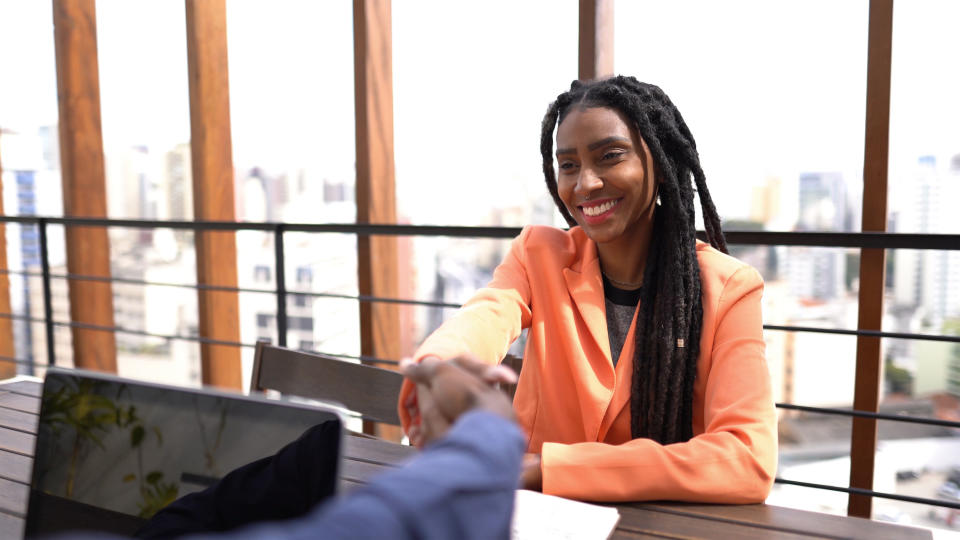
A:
(573, 403)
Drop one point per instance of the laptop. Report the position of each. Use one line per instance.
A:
(111, 452)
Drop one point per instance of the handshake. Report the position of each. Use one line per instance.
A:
(446, 389)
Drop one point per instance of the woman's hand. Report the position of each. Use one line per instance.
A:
(448, 388)
(532, 475)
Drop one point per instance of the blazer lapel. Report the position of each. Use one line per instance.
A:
(586, 289)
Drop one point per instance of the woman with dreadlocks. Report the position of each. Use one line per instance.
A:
(644, 374)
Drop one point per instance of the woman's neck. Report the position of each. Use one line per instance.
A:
(624, 259)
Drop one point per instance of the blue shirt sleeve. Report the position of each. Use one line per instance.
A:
(462, 486)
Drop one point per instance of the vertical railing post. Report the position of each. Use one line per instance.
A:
(595, 40)
(47, 295)
(377, 261)
(83, 177)
(281, 270)
(213, 189)
(7, 348)
(866, 394)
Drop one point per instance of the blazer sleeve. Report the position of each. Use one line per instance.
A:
(462, 486)
(487, 324)
(732, 461)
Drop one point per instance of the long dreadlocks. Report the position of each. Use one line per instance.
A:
(661, 403)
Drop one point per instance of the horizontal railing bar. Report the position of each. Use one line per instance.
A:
(949, 242)
(363, 358)
(367, 298)
(362, 298)
(871, 333)
(871, 493)
(875, 240)
(347, 228)
(10, 360)
(869, 414)
(115, 329)
(428, 303)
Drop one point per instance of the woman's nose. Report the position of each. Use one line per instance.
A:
(588, 182)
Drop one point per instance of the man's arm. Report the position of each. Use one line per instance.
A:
(462, 486)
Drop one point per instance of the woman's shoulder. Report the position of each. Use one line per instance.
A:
(549, 246)
(717, 267)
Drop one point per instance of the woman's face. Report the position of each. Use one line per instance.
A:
(605, 178)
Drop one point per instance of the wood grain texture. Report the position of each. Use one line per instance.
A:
(84, 183)
(18, 420)
(791, 520)
(13, 497)
(377, 260)
(15, 467)
(25, 387)
(17, 441)
(11, 527)
(866, 394)
(213, 188)
(595, 39)
(370, 391)
(19, 402)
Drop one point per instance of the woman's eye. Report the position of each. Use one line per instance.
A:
(566, 165)
(613, 154)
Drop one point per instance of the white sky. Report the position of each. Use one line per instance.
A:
(768, 88)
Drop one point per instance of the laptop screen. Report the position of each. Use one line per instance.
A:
(111, 453)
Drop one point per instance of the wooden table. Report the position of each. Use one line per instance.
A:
(20, 403)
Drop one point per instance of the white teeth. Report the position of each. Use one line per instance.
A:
(599, 209)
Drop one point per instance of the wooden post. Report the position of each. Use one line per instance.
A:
(376, 202)
(596, 39)
(213, 192)
(7, 350)
(863, 438)
(84, 185)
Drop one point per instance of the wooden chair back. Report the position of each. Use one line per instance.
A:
(369, 391)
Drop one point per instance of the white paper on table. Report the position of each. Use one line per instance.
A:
(537, 516)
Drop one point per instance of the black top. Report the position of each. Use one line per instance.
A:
(621, 304)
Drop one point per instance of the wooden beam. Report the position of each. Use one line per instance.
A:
(863, 443)
(7, 350)
(84, 185)
(596, 39)
(376, 202)
(213, 192)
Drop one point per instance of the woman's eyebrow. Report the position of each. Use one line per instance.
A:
(594, 145)
(608, 140)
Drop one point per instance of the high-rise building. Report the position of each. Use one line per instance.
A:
(823, 203)
(818, 273)
(929, 279)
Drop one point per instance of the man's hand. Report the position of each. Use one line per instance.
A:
(448, 388)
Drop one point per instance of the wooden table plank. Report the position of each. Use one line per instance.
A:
(16, 441)
(19, 402)
(29, 388)
(18, 420)
(361, 471)
(13, 498)
(377, 451)
(11, 527)
(793, 520)
(16, 467)
(637, 519)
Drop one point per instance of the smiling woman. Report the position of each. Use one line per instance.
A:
(644, 374)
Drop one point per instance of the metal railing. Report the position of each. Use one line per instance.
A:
(743, 238)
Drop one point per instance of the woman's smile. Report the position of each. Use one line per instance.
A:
(596, 212)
